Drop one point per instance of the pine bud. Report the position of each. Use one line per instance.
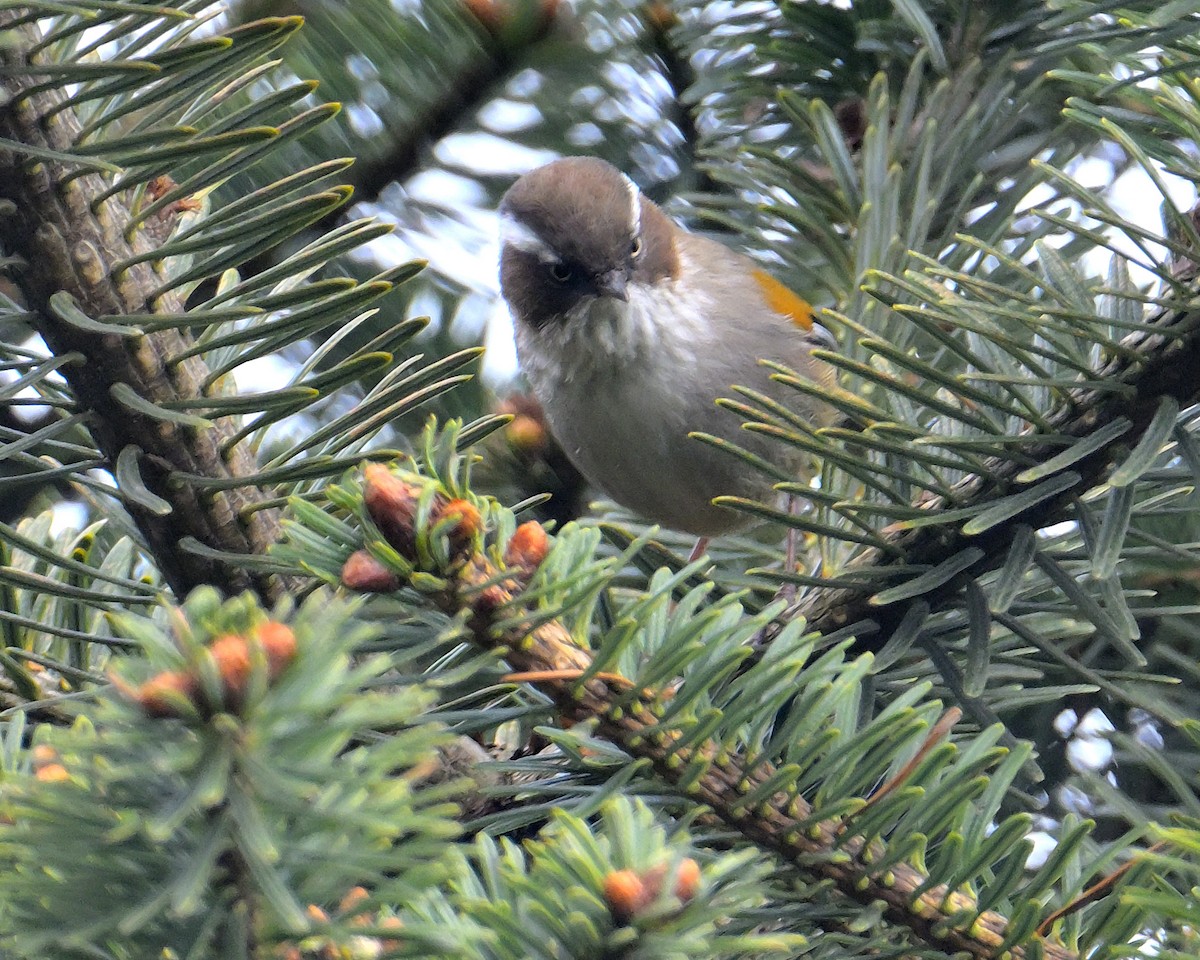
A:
(392, 504)
(687, 880)
(163, 694)
(653, 879)
(467, 524)
(527, 547)
(488, 13)
(316, 914)
(628, 892)
(278, 643)
(391, 923)
(526, 435)
(625, 894)
(352, 898)
(44, 754)
(660, 17)
(513, 21)
(365, 573)
(52, 773)
(231, 654)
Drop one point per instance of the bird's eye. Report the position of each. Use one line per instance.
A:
(561, 272)
(635, 248)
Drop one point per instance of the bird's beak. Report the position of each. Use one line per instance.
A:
(613, 284)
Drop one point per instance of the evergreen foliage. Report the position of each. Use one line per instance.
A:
(310, 681)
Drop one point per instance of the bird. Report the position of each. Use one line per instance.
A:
(629, 328)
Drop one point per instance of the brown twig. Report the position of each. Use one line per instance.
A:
(940, 731)
(1100, 888)
(541, 676)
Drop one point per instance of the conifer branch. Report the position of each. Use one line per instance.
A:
(70, 244)
(411, 512)
(777, 824)
(1156, 366)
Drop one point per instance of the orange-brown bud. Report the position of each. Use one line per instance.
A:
(526, 435)
(488, 13)
(160, 185)
(467, 514)
(502, 18)
(392, 504)
(687, 879)
(628, 892)
(625, 894)
(528, 547)
(467, 523)
(391, 923)
(490, 599)
(527, 432)
(231, 654)
(353, 897)
(365, 573)
(160, 696)
(43, 754)
(278, 643)
(316, 913)
(660, 16)
(52, 773)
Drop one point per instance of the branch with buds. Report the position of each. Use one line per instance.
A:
(421, 523)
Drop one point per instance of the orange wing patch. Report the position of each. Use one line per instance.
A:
(780, 299)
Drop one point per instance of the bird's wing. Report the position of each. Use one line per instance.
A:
(743, 282)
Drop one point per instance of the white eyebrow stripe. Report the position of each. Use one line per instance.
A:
(514, 233)
(635, 205)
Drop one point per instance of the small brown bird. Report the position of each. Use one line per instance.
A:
(628, 330)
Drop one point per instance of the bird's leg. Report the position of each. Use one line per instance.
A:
(698, 549)
(787, 590)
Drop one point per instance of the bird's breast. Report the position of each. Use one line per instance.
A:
(623, 386)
